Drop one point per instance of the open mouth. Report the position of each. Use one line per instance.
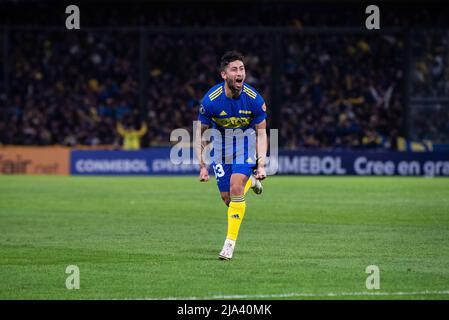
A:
(239, 81)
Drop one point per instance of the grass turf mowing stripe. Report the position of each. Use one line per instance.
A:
(311, 295)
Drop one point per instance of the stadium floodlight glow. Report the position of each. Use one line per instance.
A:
(235, 146)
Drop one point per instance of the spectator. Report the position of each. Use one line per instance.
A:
(131, 135)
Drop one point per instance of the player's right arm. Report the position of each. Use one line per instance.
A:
(204, 123)
(201, 145)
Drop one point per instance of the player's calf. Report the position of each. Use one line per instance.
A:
(226, 198)
(236, 212)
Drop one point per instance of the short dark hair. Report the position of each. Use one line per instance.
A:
(229, 57)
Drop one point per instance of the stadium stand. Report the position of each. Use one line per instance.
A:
(337, 90)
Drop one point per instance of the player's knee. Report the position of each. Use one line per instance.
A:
(237, 189)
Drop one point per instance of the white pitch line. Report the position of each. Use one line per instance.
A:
(294, 294)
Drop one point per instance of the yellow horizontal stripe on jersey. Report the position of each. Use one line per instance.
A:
(249, 94)
(217, 91)
(232, 122)
(251, 91)
(215, 95)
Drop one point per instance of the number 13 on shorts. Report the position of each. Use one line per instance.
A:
(218, 170)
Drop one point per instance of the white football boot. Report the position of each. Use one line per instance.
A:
(227, 251)
(256, 185)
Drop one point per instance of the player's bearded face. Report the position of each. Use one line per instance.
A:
(234, 75)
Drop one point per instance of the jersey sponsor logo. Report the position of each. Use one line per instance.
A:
(233, 122)
(245, 111)
(223, 113)
(215, 93)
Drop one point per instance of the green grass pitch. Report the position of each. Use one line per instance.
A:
(159, 237)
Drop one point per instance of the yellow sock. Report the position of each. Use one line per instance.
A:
(236, 212)
(247, 185)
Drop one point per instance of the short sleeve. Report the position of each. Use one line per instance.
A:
(259, 113)
(205, 112)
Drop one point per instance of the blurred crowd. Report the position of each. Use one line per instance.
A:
(430, 80)
(69, 88)
(342, 92)
(430, 122)
(75, 90)
(337, 91)
(430, 76)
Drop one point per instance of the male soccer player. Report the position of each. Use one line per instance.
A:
(232, 105)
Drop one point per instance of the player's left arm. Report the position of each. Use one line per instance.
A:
(261, 147)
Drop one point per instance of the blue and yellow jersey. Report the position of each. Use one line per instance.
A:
(223, 113)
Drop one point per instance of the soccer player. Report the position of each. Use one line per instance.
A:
(232, 105)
